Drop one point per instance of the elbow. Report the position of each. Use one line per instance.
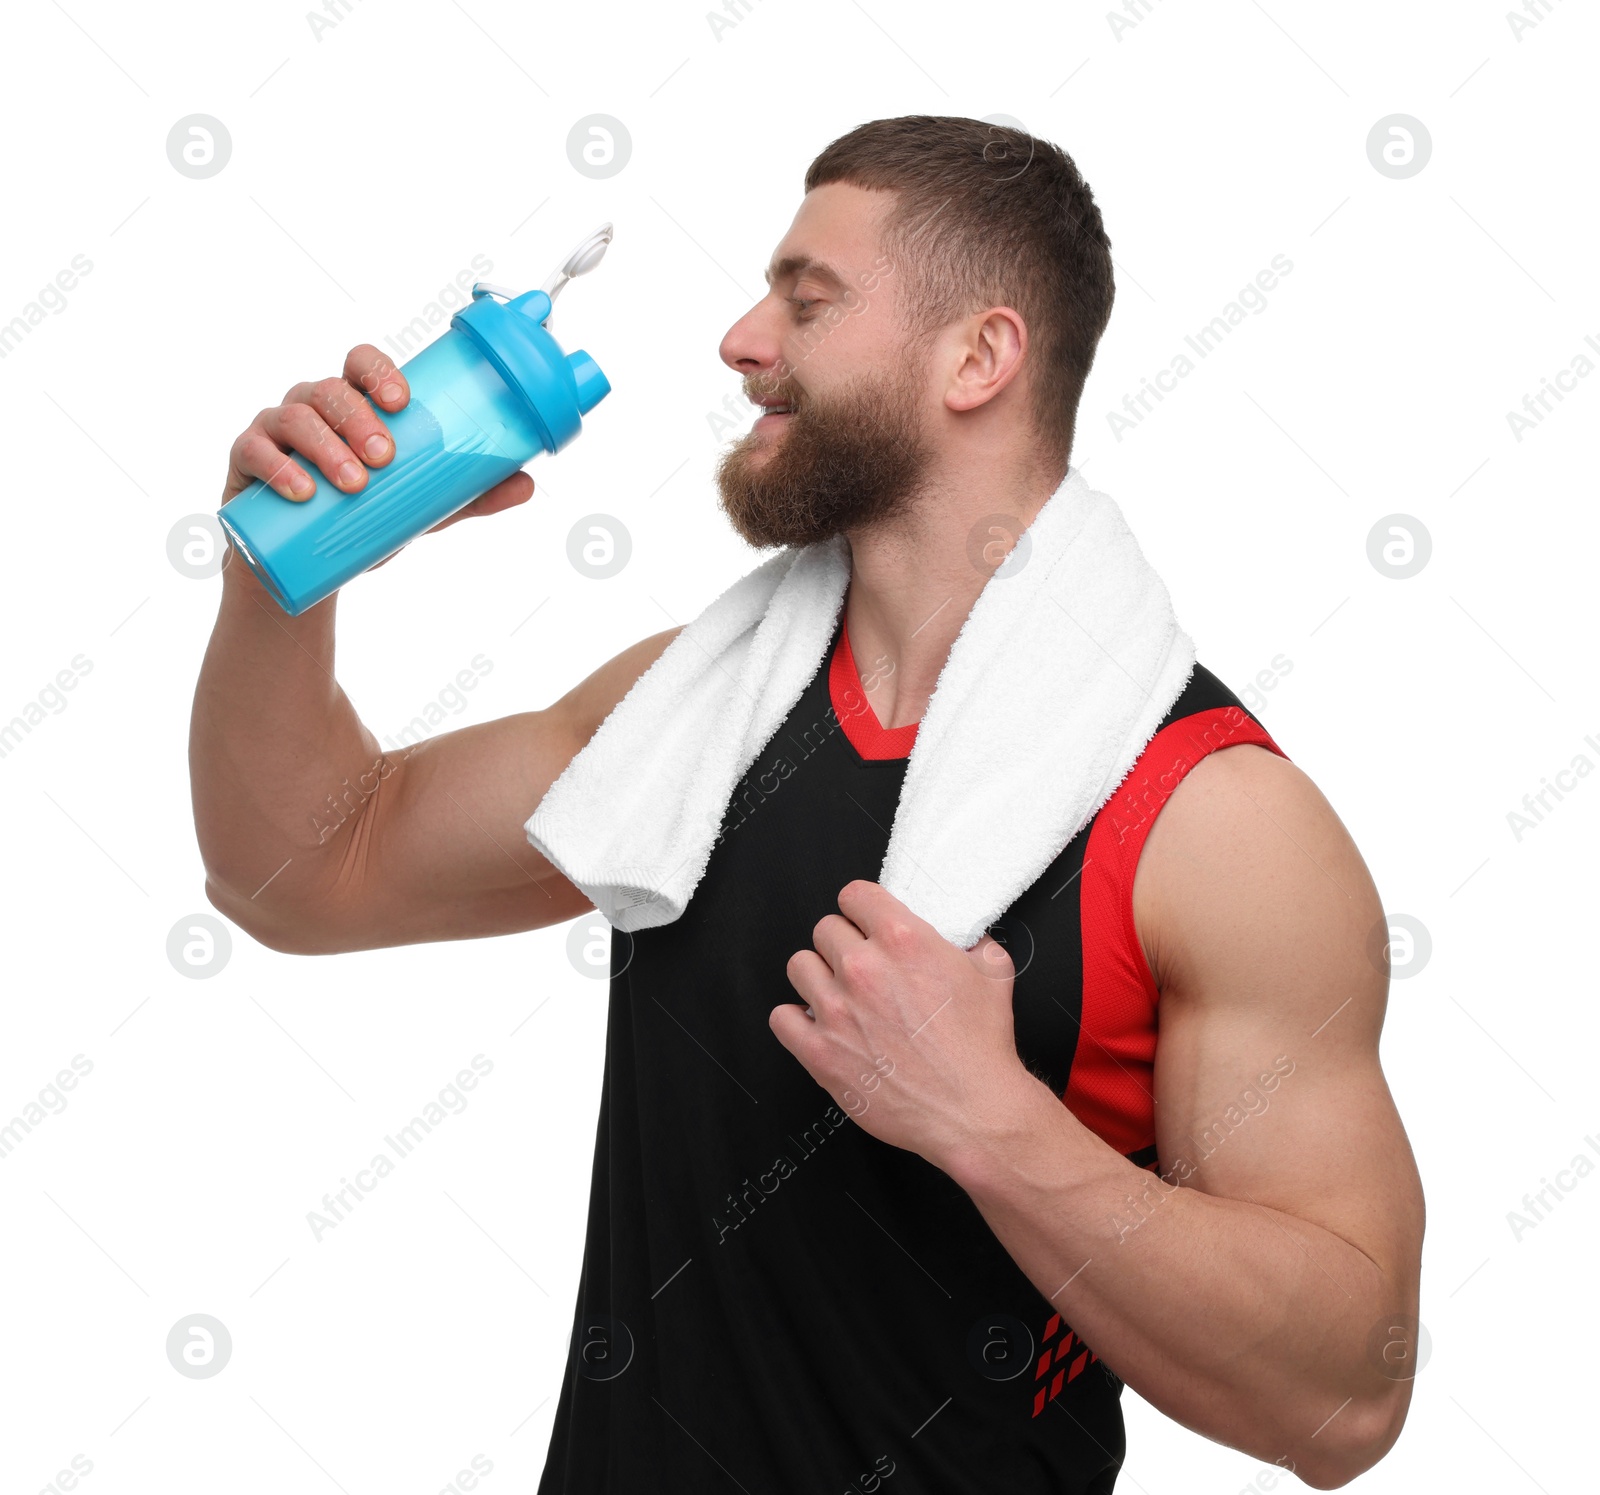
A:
(1368, 1434)
(290, 936)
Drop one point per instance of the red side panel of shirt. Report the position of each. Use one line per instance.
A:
(1111, 1089)
(1112, 1085)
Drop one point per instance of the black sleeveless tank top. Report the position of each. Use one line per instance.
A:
(776, 1302)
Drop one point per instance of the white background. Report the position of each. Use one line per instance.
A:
(367, 168)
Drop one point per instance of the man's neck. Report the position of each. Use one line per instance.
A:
(914, 580)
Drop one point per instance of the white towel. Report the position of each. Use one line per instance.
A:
(1059, 677)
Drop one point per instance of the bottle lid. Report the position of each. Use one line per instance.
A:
(560, 388)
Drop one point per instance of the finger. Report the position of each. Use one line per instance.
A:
(794, 1030)
(300, 428)
(872, 908)
(516, 489)
(809, 975)
(255, 455)
(834, 935)
(346, 413)
(374, 374)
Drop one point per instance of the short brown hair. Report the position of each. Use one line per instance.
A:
(998, 217)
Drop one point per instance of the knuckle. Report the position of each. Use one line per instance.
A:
(856, 965)
(898, 936)
(827, 1006)
(338, 400)
(310, 426)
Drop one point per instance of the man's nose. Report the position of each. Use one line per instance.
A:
(751, 345)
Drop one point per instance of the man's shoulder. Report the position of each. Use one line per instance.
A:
(1241, 799)
(1205, 716)
(1247, 852)
(595, 697)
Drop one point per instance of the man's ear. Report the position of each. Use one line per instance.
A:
(990, 355)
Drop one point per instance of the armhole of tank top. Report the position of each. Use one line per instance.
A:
(1130, 928)
(1251, 734)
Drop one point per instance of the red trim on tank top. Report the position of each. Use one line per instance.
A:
(1111, 1087)
(867, 735)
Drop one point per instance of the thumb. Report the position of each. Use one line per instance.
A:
(514, 490)
(992, 959)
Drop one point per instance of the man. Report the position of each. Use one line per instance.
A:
(867, 1203)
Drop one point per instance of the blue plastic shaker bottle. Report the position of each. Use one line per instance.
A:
(488, 395)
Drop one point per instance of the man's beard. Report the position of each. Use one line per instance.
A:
(852, 460)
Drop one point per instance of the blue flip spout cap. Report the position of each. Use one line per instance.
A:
(593, 386)
(560, 390)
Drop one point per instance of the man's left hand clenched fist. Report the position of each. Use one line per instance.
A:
(912, 1036)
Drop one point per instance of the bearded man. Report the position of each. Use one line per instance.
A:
(906, 844)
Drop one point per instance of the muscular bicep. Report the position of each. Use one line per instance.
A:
(1257, 912)
(442, 852)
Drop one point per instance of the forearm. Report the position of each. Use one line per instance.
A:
(279, 762)
(1240, 1321)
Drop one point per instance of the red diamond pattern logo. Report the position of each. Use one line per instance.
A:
(1053, 1356)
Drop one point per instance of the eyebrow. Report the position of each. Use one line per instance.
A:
(794, 264)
